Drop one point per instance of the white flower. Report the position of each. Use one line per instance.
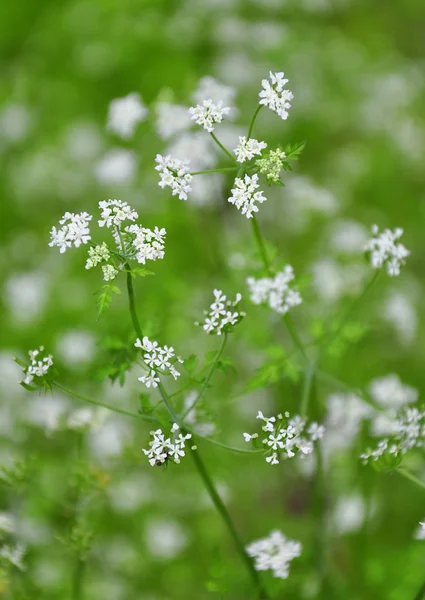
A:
(171, 119)
(223, 314)
(244, 195)
(118, 166)
(390, 392)
(275, 291)
(162, 449)
(246, 149)
(420, 532)
(274, 553)
(384, 250)
(159, 360)
(109, 272)
(208, 114)
(148, 244)
(39, 366)
(285, 436)
(124, 114)
(274, 96)
(115, 212)
(175, 174)
(14, 555)
(97, 255)
(74, 231)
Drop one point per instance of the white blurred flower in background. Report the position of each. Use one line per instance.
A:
(172, 119)
(124, 114)
(26, 296)
(16, 122)
(165, 539)
(118, 166)
(349, 513)
(400, 312)
(75, 347)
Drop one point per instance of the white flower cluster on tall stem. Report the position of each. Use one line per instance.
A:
(175, 174)
(223, 314)
(149, 244)
(159, 360)
(247, 149)
(115, 212)
(274, 553)
(408, 432)
(285, 437)
(163, 449)
(124, 114)
(384, 250)
(74, 231)
(208, 114)
(245, 195)
(275, 291)
(40, 365)
(275, 96)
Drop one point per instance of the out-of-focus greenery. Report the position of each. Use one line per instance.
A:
(357, 72)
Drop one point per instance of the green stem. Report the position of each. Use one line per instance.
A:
(294, 336)
(132, 302)
(222, 510)
(224, 170)
(408, 475)
(261, 245)
(333, 336)
(225, 150)
(308, 382)
(77, 580)
(120, 411)
(167, 403)
(421, 594)
(254, 116)
(208, 377)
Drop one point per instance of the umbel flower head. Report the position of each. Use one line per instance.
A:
(286, 437)
(245, 195)
(162, 449)
(222, 315)
(384, 249)
(115, 212)
(175, 174)
(275, 291)
(275, 96)
(271, 165)
(35, 373)
(274, 553)
(208, 114)
(158, 361)
(74, 231)
(247, 149)
(125, 113)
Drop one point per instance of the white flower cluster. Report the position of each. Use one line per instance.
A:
(109, 272)
(244, 195)
(97, 255)
(39, 366)
(275, 291)
(124, 114)
(208, 114)
(247, 149)
(384, 250)
(275, 96)
(271, 165)
(13, 555)
(149, 244)
(285, 436)
(74, 231)
(162, 449)
(115, 212)
(175, 174)
(223, 314)
(408, 432)
(159, 360)
(274, 553)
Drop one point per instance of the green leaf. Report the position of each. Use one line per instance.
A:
(104, 297)
(190, 363)
(293, 151)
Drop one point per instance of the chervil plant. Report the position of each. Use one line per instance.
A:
(125, 245)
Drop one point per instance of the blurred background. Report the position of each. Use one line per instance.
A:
(356, 69)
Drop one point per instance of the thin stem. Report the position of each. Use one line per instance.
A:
(224, 170)
(221, 508)
(120, 411)
(294, 336)
(261, 245)
(215, 443)
(254, 116)
(170, 409)
(225, 150)
(411, 477)
(308, 381)
(349, 313)
(421, 594)
(208, 377)
(132, 302)
(77, 580)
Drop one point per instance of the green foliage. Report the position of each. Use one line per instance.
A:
(104, 297)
